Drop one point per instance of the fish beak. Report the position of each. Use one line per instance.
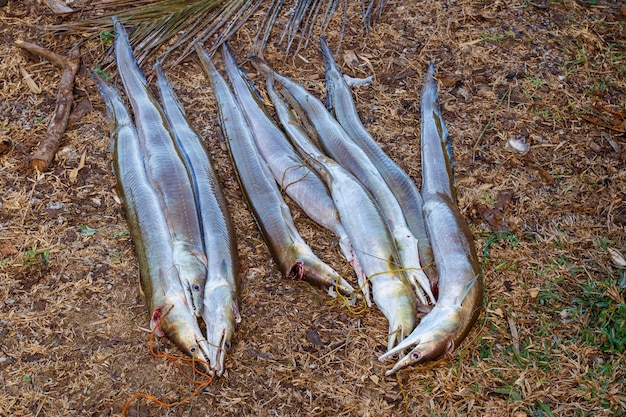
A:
(218, 353)
(220, 316)
(201, 354)
(422, 352)
(191, 267)
(403, 345)
(402, 363)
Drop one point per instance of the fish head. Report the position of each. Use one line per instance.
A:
(425, 352)
(192, 271)
(176, 322)
(434, 336)
(220, 314)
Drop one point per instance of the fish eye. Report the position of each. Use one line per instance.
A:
(192, 349)
(196, 287)
(415, 356)
(227, 345)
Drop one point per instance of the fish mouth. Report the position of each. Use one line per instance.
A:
(200, 355)
(220, 315)
(217, 351)
(434, 336)
(220, 353)
(422, 352)
(192, 273)
(189, 294)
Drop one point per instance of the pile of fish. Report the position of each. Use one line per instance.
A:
(330, 166)
(177, 216)
(322, 157)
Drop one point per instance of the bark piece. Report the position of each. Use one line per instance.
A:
(42, 157)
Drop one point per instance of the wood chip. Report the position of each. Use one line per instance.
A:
(30, 82)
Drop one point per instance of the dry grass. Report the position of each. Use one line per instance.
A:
(73, 338)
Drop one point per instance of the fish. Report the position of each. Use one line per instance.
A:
(363, 222)
(170, 315)
(460, 298)
(220, 311)
(341, 104)
(293, 256)
(337, 144)
(294, 176)
(166, 171)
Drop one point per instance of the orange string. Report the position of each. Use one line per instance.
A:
(176, 361)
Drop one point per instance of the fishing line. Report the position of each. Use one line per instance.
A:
(371, 255)
(176, 361)
(405, 397)
(393, 262)
(360, 290)
(282, 181)
(455, 383)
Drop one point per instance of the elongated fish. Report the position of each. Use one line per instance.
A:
(340, 147)
(166, 172)
(293, 175)
(165, 296)
(220, 311)
(339, 101)
(290, 251)
(364, 224)
(460, 287)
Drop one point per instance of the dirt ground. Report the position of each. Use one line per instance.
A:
(74, 329)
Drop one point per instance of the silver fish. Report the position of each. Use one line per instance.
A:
(293, 175)
(220, 311)
(290, 251)
(460, 287)
(340, 147)
(363, 222)
(166, 171)
(339, 101)
(165, 296)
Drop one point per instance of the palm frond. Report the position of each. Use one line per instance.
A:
(159, 22)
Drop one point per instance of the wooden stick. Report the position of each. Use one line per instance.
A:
(56, 59)
(42, 157)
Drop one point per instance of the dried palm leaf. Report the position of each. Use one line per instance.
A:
(158, 22)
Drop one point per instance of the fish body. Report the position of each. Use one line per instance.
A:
(220, 310)
(293, 255)
(460, 287)
(293, 175)
(339, 101)
(166, 171)
(165, 296)
(340, 147)
(364, 224)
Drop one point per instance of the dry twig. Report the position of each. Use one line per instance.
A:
(56, 59)
(47, 148)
